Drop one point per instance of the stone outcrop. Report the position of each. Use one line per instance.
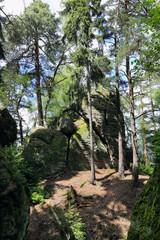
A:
(145, 221)
(105, 132)
(79, 155)
(14, 194)
(46, 153)
(50, 150)
(8, 128)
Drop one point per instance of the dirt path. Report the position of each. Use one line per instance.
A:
(105, 207)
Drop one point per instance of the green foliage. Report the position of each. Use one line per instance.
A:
(14, 91)
(70, 224)
(156, 146)
(37, 197)
(146, 169)
(82, 19)
(40, 193)
(13, 154)
(76, 224)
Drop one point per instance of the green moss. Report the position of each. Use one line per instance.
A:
(145, 222)
(45, 158)
(14, 211)
(66, 123)
(43, 134)
(79, 148)
(79, 158)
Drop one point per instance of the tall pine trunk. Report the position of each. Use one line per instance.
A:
(144, 135)
(120, 131)
(152, 107)
(132, 116)
(90, 125)
(133, 126)
(38, 85)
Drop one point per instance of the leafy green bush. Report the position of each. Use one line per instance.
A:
(76, 224)
(39, 194)
(14, 158)
(146, 169)
(69, 223)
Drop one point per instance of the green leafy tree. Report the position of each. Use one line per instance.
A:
(32, 40)
(14, 94)
(82, 19)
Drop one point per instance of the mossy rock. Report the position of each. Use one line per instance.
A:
(8, 128)
(14, 212)
(75, 125)
(104, 111)
(46, 153)
(14, 203)
(42, 133)
(79, 157)
(145, 221)
(66, 124)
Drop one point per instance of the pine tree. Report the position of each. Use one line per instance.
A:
(32, 37)
(82, 20)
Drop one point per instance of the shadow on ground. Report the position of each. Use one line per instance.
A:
(105, 208)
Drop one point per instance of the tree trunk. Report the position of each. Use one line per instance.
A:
(38, 85)
(152, 107)
(46, 107)
(67, 156)
(21, 129)
(20, 125)
(133, 127)
(120, 131)
(153, 115)
(90, 126)
(144, 135)
(132, 117)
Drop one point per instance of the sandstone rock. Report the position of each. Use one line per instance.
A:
(46, 152)
(145, 221)
(8, 128)
(14, 204)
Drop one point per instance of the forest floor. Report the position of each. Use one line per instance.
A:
(105, 208)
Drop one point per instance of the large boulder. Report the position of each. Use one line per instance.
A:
(14, 203)
(105, 132)
(145, 221)
(45, 153)
(79, 155)
(104, 111)
(8, 128)
(49, 150)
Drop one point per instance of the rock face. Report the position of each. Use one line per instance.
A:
(104, 112)
(105, 133)
(79, 155)
(145, 221)
(14, 196)
(49, 150)
(8, 128)
(46, 152)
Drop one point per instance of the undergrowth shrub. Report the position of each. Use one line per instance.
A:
(146, 169)
(23, 173)
(39, 194)
(69, 223)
